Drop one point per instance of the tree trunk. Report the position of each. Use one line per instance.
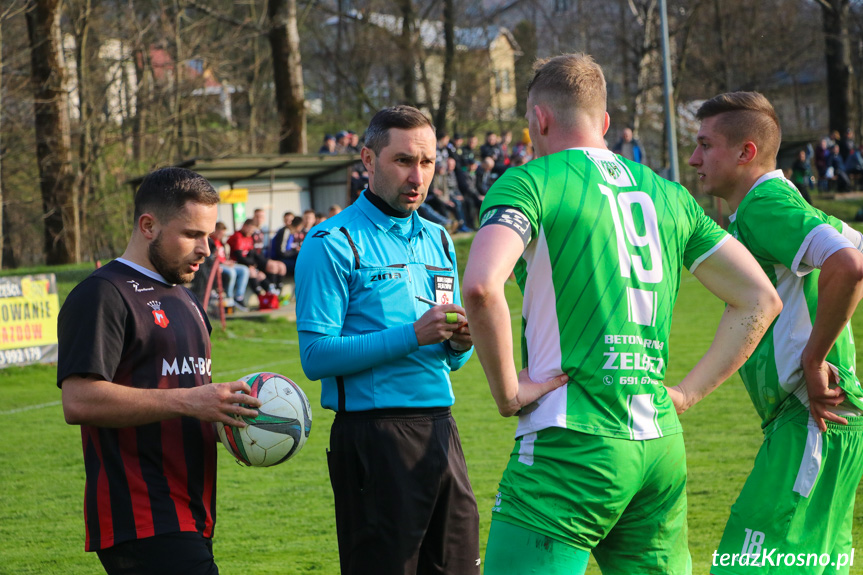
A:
(53, 140)
(177, 101)
(525, 35)
(625, 48)
(252, 91)
(406, 45)
(723, 49)
(86, 152)
(2, 227)
(288, 76)
(837, 54)
(6, 255)
(142, 98)
(448, 65)
(340, 34)
(646, 61)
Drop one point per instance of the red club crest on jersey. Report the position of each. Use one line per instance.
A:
(159, 316)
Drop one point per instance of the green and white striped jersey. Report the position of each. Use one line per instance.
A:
(599, 277)
(776, 225)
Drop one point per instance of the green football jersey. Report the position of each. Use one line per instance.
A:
(776, 225)
(600, 276)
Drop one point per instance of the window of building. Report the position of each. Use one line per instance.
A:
(562, 5)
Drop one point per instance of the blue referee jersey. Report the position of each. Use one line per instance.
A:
(360, 272)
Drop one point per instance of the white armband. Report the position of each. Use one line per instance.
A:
(855, 237)
(824, 241)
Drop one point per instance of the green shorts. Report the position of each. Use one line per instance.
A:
(623, 500)
(795, 512)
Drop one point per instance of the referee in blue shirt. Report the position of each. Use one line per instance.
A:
(403, 500)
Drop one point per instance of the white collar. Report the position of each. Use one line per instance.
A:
(765, 177)
(768, 176)
(149, 273)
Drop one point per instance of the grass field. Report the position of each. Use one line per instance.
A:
(280, 520)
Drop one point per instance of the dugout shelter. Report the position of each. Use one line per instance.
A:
(276, 183)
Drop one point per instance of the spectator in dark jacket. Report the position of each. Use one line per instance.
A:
(329, 145)
(629, 147)
(854, 164)
(491, 149)
(485, 177)
(822, 152)
(286, 246)
(836, 170)
(801, 175)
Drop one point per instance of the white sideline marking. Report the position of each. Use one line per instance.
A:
(274, 341)
(232, 335)
(239, 372)
(30, 407)
(256, 369)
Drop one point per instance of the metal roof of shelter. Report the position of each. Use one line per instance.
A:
(233, 169)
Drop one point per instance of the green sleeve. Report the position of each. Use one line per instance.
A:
(775, 228)
(705, 234)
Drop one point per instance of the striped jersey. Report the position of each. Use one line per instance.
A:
(600, 277)
(776, 225)
(124, 326)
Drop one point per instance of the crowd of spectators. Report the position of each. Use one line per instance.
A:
(464, 173)
(465, 170)
(344, 142)
(837, 162)
(254, 259)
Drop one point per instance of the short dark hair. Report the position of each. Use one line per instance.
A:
(165, 192)
(745, 116)
(399, 117)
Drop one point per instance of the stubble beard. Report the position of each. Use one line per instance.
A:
(160, 262)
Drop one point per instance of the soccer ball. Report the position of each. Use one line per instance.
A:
(283, 424)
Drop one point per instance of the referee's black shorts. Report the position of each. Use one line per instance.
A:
(182, 553)
(403, 500)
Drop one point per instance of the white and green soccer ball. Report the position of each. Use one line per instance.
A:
(281, 428)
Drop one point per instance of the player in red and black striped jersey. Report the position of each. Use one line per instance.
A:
(135, 373)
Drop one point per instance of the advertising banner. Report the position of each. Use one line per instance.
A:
(28, 319)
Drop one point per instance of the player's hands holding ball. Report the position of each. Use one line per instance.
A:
(220, 402)
(441, 323)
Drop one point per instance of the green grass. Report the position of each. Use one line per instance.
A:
(67, 276)
(281, 520)
(841, 206)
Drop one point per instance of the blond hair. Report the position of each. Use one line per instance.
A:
(572, 85)
(745, 116)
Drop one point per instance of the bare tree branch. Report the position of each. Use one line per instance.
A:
(824, 4)
(227, 19)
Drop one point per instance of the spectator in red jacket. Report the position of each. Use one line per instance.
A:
(242, 246)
